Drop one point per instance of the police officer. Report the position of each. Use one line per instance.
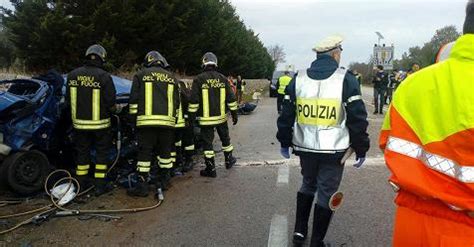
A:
(154, 99)
(91, 96)
(184, 135)
(211, 98)
(323, 116)
(282, 83)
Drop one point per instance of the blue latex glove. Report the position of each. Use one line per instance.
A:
(285, 152)
(360, 161)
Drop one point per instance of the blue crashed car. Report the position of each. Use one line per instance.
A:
(35, 130)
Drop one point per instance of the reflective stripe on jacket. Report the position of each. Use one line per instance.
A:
(320, 124)
(283, 81)
(428, 133)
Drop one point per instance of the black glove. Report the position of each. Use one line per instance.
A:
(235, 118)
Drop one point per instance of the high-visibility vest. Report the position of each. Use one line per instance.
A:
(320, 125)
(428, 135)
(283, 82)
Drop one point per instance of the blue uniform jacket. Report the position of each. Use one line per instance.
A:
(321, 69)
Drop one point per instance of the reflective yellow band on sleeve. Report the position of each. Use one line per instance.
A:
(73, 94)
(100, 167)
(222, 100)
(171, 100)
(205, 102)
(148, 98)
(96, 104)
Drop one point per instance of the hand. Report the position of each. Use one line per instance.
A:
(360, 161)
(235, 118)
(285, 152)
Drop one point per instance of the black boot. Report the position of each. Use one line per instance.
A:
(101, 186)
(229, 160)
(85, 182)
(141, 189)
(322, 218)
(304, 203)
(188, 161)
(164, 178)
(210, 170)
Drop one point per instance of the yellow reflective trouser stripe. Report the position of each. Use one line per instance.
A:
(189, 148)
(99, 175)
(209, 154)
(143, 166)
(133, 108)
(100, 167)
(73, 94)
(193, 108)
(148, 98)
(83, 167)
(222, 101)
(205, 102)
(133, 111)
(173, 154)
(233, 106)
(96, 104)
(178, 144)
(165, 163)
(228, 148)
(82, 173)
(170, 100)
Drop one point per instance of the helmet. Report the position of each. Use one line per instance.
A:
(155, 58)
(97, 50)
(209, 59)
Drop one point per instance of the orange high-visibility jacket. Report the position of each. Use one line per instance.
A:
(428, 137)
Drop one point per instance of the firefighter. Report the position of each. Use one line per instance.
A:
(211, 98)
(427, 138)
(184, 134)
(282, 83)
(154, 100)
(323, 116)
(91, 97)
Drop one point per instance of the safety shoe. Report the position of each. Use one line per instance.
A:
(141, 188)
(163, 180)
(210, 170)
(229, 160)
(102, 186)
(188, 164)
(322, 218)
(85, 182)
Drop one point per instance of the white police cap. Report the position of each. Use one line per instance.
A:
(329, 43)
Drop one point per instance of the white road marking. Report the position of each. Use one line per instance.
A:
(278, 231)
(373, 161)
(283, 174)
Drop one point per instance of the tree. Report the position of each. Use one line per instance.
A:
(6, 48)
(277, 53)
(51, 33)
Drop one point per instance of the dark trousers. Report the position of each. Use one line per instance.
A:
(322, 173)
(84, 141)
(280, 98)
(151, 141)
(379, 99)
(184, 144)
(207, 133)
(239, 95)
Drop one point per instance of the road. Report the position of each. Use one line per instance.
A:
(252, 204)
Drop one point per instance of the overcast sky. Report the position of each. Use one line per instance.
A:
(297, 25)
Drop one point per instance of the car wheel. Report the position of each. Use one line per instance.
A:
(27, 171)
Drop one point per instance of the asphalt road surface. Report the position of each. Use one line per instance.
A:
(252, 204)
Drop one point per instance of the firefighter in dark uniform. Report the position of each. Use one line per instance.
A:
(184, 134)
(91, 97)
(154, 99)
(211, 98)
(323, 119)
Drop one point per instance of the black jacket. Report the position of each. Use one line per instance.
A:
(321, 69)
(211, 98)
(154, 97)
(91, 96)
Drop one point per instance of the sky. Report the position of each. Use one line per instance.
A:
(298, 25)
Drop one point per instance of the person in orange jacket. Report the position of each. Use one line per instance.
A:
(429, 149)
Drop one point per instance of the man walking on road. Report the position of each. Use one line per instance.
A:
(323, 116)
(380, 85)
(428, 140)
(211, 98)
(282, 83)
